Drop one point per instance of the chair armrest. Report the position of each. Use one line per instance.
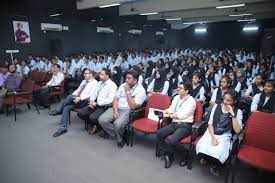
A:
(199, 125)
(21, 93)
(136, 114)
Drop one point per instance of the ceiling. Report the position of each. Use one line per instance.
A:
(189, 11)
(129, 10)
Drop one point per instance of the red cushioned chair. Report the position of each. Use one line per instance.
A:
(145, 125)
(21, 96)
(256, 144)
(192, 139)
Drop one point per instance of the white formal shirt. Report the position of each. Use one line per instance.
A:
(56, 79)
(137, 92)
(88, 91)
(105, 93)
(183, 108)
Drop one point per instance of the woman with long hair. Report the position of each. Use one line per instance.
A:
(159, 84)
(218, 93)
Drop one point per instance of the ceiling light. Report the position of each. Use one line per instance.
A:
(254, 28)
(189, 23)
(109, 5)
(246, 20)
(230, 6)
(55, 15)
(240, 15)
(93, 20)
(168, 19)
(200, 30)
(153, 13)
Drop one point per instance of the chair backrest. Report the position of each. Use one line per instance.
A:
(198, 112)
(260, 131)
(36, 75)
(27, 85)
(158, 101)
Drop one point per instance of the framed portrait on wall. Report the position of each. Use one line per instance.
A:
(21, 32)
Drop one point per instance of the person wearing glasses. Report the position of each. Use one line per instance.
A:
(77, 99)
(181, 112)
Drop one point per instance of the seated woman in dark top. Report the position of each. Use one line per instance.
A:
(117, 74)
(234, 82)
(265, 101)
(159, 84)
(198, 90)
(217, 96)
(256, 87)
(215, 142)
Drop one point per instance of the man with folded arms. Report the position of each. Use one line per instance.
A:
(76, 100)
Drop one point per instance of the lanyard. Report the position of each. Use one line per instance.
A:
(177, 107)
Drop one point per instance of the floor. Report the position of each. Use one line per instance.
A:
(29, 154)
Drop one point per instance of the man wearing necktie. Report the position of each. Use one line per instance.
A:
(77, 99)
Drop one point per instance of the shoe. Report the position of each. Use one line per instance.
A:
(168, 161)
(203, 161)
(94, 130)
(54, 113)
(214, 170)
(60, 132)
(43, 107)
(120, 144)
(183, 163)
(104, 135)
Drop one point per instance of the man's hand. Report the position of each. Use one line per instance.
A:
(45, 86)
(126, 88)
(116, 114)
(76, 100)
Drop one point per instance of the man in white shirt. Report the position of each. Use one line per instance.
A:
(76, 100)
(103, 98)
(129, 96)
(41, 94)
(181, 111)
(25, 70)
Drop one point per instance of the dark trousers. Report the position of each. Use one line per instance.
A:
(41, 95)
(178, 132)
(65, 109)
(91, 115)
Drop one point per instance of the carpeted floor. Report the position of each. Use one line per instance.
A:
(29, 154)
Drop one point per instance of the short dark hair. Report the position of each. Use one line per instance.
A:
(90, 71)
(107, 71)
(272, 82)
(57, 65)
(134, 73)
(187, 86)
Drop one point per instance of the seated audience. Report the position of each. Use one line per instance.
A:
(181, 112)
(99, 102)
(159, 84)
(41, 95)
(265, 101)
(217, 96)
(77, 99)
(130, 95)
(10, 81)
(215, 142)
(198, 91)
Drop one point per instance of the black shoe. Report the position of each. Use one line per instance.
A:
(54, 113)
(120, 144)
(104, 134)
(168, 161)
(183, 162)
(60, 132)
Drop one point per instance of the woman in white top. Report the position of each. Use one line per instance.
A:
(216, 140)
(198, 90)
(159, 84)
(234, 82)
